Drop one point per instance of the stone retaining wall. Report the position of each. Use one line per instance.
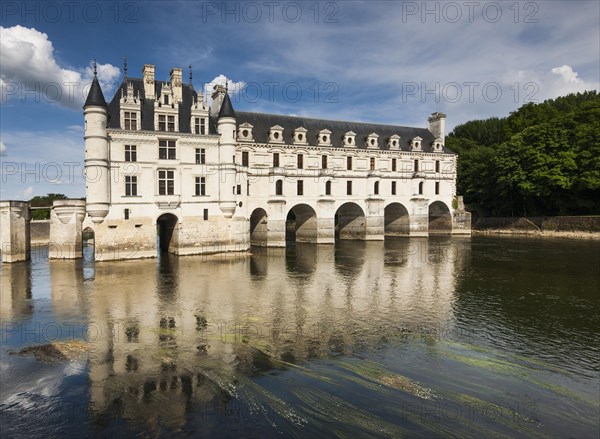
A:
(569, 226)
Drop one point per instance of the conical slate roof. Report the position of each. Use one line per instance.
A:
(95, 96)
(226, 108)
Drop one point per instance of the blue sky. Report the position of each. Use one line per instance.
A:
(388, 62)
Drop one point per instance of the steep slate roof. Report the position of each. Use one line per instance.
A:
(189, 95)
(95, 96)
(226, 107)
(263, 122)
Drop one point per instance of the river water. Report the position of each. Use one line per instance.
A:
(472, 337)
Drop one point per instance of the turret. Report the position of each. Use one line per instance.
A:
(226, 127)
(95, 114)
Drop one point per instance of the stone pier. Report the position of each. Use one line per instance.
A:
(66, 218)
(461, 219)
(15, 221)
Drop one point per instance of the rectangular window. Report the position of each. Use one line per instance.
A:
(171, 123)
(130, 186)
(324, 162)
(372, 163)
(300, 187)
(328, 188)
(300, 161)
(245, 158)
(130, 153)
(197, 125)
(200, 156)
(126, 214)
(238, 189)
(437, 166)
(162, 122)
(130, 120)
(276, 160)
(348, 188)
(166, 149)
(437, 187)
(416, 168)
(349, 163)
(200, 186)
(393, 165)
(166, 182)
(205, 214)
(203, 126)
(166, 99)
(393, 188)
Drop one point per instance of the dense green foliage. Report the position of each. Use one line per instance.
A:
(44, 201)
(543, 159)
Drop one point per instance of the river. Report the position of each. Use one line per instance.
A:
(472, 337)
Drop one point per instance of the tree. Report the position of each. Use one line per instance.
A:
(44, 201)
(542, 159)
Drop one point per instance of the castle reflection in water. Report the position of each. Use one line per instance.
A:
(175, 333)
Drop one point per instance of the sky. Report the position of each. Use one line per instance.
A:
(391, 62)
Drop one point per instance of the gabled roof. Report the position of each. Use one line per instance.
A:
(95, 96)
(263, 122)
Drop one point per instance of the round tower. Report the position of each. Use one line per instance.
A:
(226, 127)
(97, 178)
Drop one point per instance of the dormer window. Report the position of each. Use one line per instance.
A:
(415, 144)
(437, 145)
(245, 132)
(200, 125)
(324, 138)
(166, 123)
(300, 136)
(372, 140)
(166, 99)
(350, 138)
(276, 134)
(130, 118)
(394, 142)
(198, 117)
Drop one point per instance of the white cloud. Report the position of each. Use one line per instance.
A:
(30, 72)
(233, 87)
(75, 129)
(25, 193)
(2, 148)
(40, 160)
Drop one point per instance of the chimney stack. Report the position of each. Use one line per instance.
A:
(148, 78)
(217, 96)
(437, 125)
(177, 84)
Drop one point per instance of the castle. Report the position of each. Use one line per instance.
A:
(160, 162)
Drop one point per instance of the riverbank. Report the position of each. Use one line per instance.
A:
(578, 227)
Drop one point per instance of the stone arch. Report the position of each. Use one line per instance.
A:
(166, 227)
(396, 220)
(301, 224)
(259, 227)
(440, 218)
(350, 222)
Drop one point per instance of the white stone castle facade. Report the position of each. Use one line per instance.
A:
(210, 180)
